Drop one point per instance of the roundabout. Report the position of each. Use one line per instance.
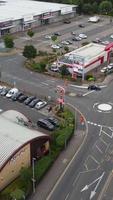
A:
(103, 107)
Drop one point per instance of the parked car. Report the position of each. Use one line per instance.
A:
(48, 36)
(54, 46)
(16, 96)
(4, 91)
(69, 41)
(53, 120)
(54, 68)
(22, 98)
(81, 25)
(65, 42)
(104, 70)
(1, 88)
(57, 33)
(33, 103)
(67, 21)
(29, 99)
(76, 38)
(82, 35)
(73, 33)
(12, 92)
(45, 124)
(106, 42)
(97, 40)
(111, 36)
(94, 87)
(110, 66)
(40, 105)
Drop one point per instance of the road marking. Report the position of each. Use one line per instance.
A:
(44, 83)
(94, 159)
(99, 149)
(103, 141)
(87, 93)
(67, 196)
(110, 136)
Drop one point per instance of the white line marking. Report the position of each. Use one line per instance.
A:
(44, 83)
(103, 141)
(107, 134)
(99, 149)
(67, 196)
(94, 159)
(87, 93)
(86, 166)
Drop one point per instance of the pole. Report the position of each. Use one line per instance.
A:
(33, 171)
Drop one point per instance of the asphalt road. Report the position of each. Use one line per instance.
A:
(94, 163)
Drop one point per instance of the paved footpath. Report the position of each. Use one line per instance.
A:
(50, 179)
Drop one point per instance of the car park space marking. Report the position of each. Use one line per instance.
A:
(44, 83)
(89, 92)
(99, 149)
(101, 138)
(91, 162)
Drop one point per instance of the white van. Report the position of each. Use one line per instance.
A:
(12, 92)
(94, 19)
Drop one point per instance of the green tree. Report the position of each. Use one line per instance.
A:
(54, 38)
(17, 194)
(66, 48)
(30, 33)
(95, 7)
(105, 7)
(87, 8)
(8, 41)
(64, 71)
(29, 52)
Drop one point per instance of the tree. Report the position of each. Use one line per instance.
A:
(105, 7)
(30, 33)
(54, 38)
(64, 71)
(87, 8)
(95, 7)
(66, 48)
(29, 52)
(17, 194)
(8, 41)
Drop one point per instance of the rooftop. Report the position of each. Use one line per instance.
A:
(85, 53)
(13, 136)
(18, 9)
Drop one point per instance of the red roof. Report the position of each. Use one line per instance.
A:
(109, 46)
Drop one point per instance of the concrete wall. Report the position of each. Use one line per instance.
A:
(12, 168)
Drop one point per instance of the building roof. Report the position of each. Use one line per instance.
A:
(86, 53)
(13, 136)
(18, 9)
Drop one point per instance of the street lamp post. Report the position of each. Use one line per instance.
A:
(33, 173)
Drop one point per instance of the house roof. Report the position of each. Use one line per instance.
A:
(13, 136)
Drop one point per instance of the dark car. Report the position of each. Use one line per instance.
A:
(67, 21)
(57, 34)
(81, 25)
(76, 38)
(29, 99)
(33, 103)
(53, 121)
(97, 40)
(16, 96)
(4, 91)
(22, 98)
(94, 87)
(45, 124)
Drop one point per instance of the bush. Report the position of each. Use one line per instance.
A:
(85, 43)
(8, 41)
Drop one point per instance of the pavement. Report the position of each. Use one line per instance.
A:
(60, 166)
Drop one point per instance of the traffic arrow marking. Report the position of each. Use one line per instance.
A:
(85, 188)
(92, 194)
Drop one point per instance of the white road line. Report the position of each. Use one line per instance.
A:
(103, 141)
(67, 196)
(99, 149)
(94, 159)
(107, 134)
(86, 166)
(44, 83)
(87, 93)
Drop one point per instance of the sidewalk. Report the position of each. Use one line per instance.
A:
(48, 182)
